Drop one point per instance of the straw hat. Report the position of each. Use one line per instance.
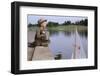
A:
(41, 20)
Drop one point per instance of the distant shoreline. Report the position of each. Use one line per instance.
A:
(62, 28)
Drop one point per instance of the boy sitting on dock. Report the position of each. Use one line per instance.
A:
(41, 39)
(41, 36)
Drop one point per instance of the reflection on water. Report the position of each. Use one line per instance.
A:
(66, 33)
(61, 42)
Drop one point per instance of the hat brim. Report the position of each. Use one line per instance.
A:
(43, 21)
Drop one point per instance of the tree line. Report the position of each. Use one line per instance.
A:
(52, 24)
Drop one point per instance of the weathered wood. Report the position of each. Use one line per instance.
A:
(29, 54)
(42, 53)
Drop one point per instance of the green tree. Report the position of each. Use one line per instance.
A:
(30, 25)
(67, 23)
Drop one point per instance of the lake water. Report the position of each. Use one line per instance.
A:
(62, 43)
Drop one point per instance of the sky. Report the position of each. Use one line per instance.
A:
(33, 19)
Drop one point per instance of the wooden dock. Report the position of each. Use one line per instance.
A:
(40, 53)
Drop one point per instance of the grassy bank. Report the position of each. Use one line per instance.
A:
(68, 28)
(62, 28)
